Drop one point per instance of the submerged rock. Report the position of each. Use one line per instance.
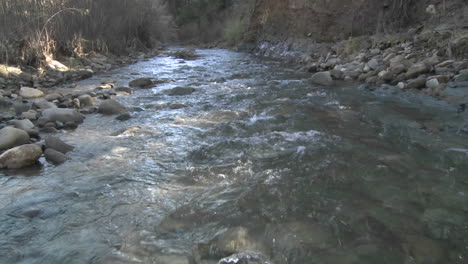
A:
(180, 91)
(11, 137)
(55, 157)
(20, 157)
(141, 83)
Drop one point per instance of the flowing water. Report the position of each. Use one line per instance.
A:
(257, 159)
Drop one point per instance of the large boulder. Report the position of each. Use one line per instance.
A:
(57, 144)
(322, 78)
(63, 115)
(23, 124)
(20, 157)
(55, 157)
(180, 91)
(111, 107)
(30, 93)
(141, 83)
(11, 137)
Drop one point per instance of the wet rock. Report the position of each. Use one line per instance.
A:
(187, 54)
(247, 258)
(111, 107)
(55, 157)
(24, 124)
(181, 91)
(234, 240)
(11, 137)
(141, 83)
(124, 89)
(63, 115)
(57, 144)
(123, 117)
(70, 126)
(86, 100)
(30, 93)
(322, 78)
(20, 157)
(417, 69)
(105, 87)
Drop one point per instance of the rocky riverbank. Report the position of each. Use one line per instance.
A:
(32, 113)
(427, 62)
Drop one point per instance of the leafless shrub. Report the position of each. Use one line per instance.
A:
(32, 29)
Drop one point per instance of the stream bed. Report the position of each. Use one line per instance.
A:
(258, 160)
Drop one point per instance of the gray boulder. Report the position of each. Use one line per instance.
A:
(24, 124)
(373, 64)
(180, 91)
(141, 83)
(30, 93)
(322, 78)
(86, 100)
(57, 144)
(55, 157)
(111, 107)
(63, 115)
(20, 157)
(11, 137)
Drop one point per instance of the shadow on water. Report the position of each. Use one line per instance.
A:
(256, 160)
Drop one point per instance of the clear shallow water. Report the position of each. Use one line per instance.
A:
(260, 160)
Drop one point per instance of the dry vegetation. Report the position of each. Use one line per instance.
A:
(30, 30)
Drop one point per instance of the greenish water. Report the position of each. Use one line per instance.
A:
(259, 160)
